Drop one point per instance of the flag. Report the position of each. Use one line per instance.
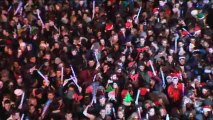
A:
(109, 89)
(141, 50)
(77, 97)
(134, 77)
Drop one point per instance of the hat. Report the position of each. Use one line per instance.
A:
(123, 93)
(89, 89)
(207, 108)
(182, 57)
(197, 29)
(155, 11)
(167, 11)
(18, 92)
(128, 24)
(127, 99)
(109, 26)
(175, 75)
(143, 91)
(131, 64)
(77, 97)
(184, 33)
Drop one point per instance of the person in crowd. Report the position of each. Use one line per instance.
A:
(106, 59)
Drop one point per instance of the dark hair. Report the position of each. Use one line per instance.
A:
(7, 102)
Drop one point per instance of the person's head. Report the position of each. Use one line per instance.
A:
(142, 67)
(38, 93)
(15, 115)
(152, 82)
(7, 105)
(141, 55)
(32, 109)
(8, 50)
(102, 100)
(175, 80)
(142, 41)
(151, 112)
(19, 80)
(171, 51)
(169, 79)
(164, 43)
(102, 42)
(118, 71)
(51, 95)
(182, 61)
(71, 88)
(91, 63)
(42, 45)
(32, 101)
(205, 91)
(116, 47)
(114, 77)
(128, 44)
(74, 52)
(106, 67)
(22, 46)
(162, 3)
(56, 45)
(108, 108)
(66, 39)
(163, 112)
(123, 30)
(192, 40)
(134, 116)
(67, 70)
(120, 114)
(103, 113)
(55, 36)
(16, 64)
(47, 56)
(97, 9)
(123, 58)
(170, 58)
(115, 85)
(207, 110)
(147, 104)
(1, 84)
(58, 73)
(68, 116)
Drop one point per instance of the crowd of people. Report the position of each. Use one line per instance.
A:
(106, 60)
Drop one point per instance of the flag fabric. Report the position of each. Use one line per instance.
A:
(109, 89)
